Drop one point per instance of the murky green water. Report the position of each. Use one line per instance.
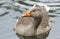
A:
(9, 12)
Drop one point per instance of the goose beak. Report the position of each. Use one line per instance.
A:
(27, 14)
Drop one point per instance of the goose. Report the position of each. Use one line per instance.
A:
(34, 23)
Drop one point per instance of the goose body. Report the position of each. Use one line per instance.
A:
(34, 25)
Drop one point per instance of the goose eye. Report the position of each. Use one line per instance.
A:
(33, 10)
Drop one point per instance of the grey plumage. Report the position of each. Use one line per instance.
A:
(34, 27)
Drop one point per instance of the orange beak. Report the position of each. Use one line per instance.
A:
(26, 14)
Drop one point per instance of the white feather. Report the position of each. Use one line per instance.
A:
(46, 7)
(40, 4)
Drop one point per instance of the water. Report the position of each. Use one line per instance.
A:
(9, 12)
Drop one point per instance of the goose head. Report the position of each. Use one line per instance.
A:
(36, 11)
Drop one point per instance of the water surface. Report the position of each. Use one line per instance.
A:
(9, 12)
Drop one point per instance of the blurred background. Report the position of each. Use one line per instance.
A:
(10, 10)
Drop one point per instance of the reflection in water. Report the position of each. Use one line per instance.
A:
(7, 7)
(55, 6)
(1, 5)
(33, 0)
(53, 15)
(8, 22)
(4, 14)
(21, 2)
(52, 11)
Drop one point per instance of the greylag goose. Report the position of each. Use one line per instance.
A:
(34, 24)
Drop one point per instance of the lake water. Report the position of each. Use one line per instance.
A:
(10, 11)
